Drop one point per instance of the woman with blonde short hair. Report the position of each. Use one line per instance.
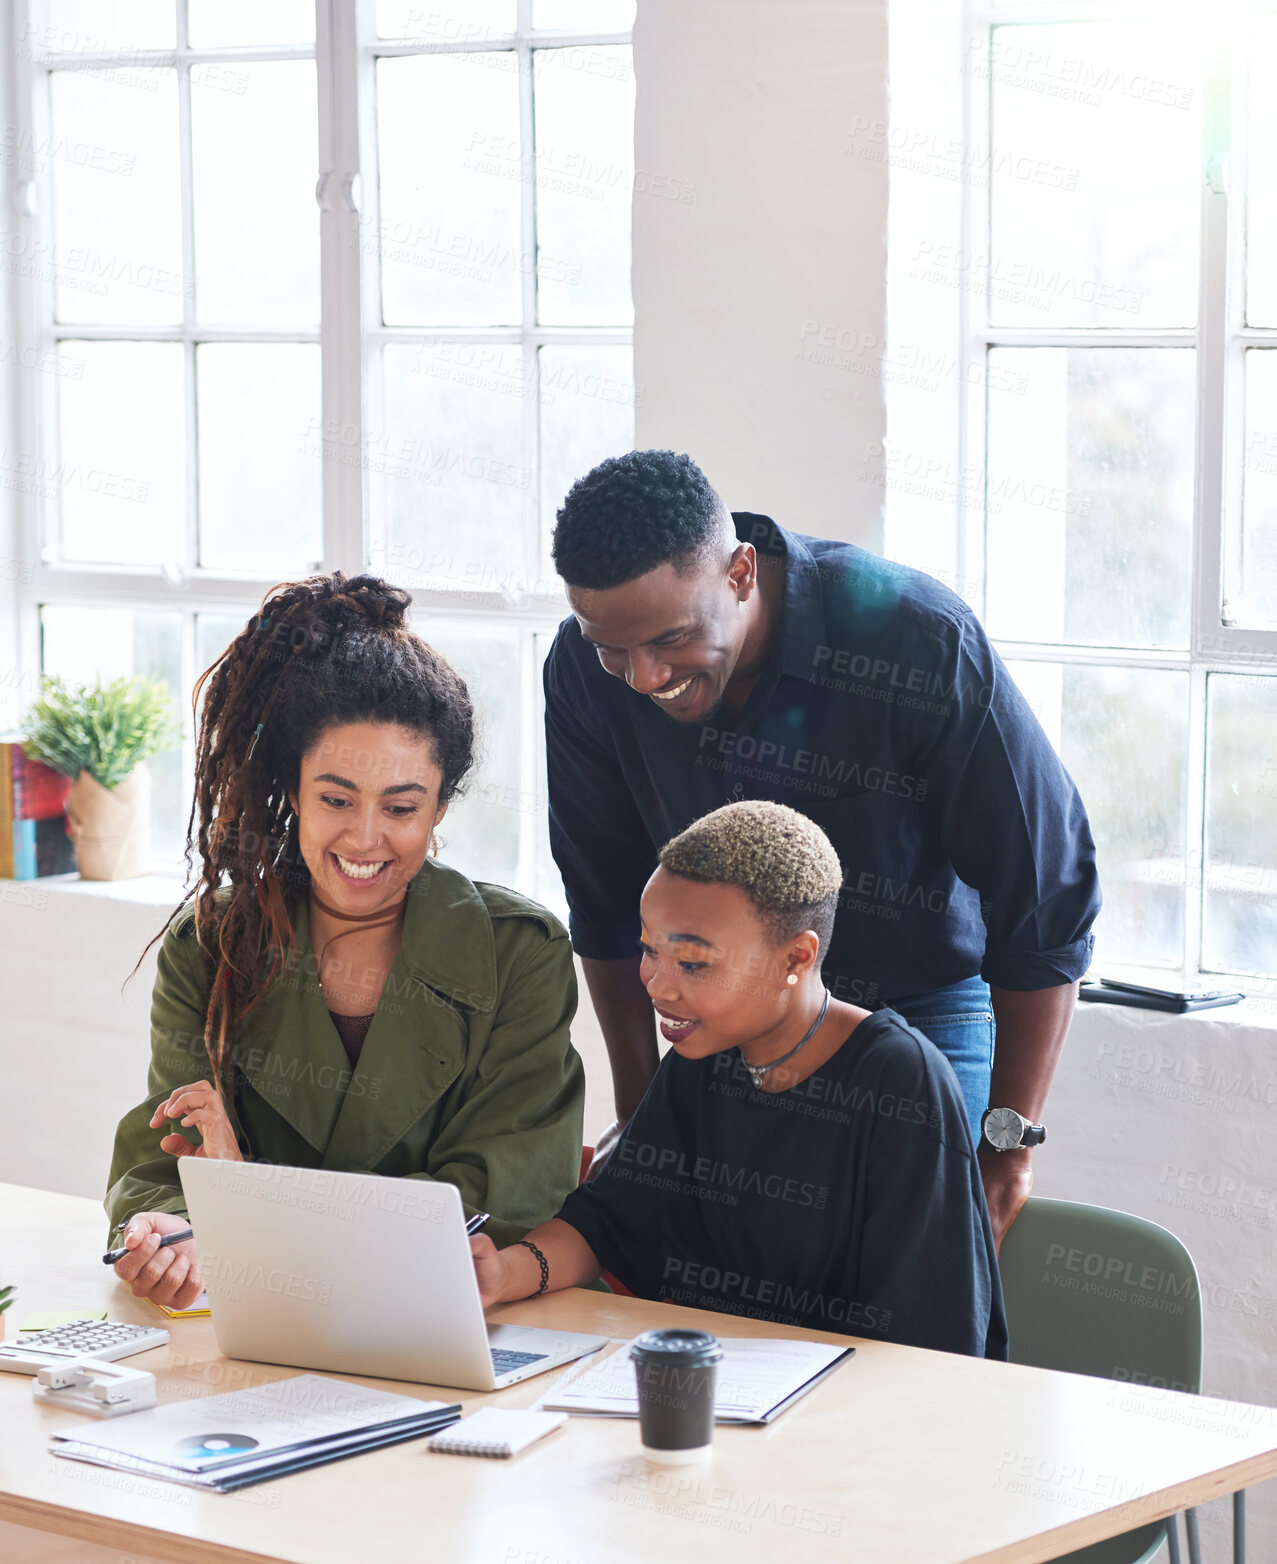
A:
(795, 1158)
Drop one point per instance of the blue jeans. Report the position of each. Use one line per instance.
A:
(959, 1021)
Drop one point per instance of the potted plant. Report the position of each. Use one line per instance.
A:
(6, 1298)
(99, 735)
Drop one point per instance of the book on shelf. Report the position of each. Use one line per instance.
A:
(33, 827)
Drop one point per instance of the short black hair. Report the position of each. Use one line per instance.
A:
(632, 514)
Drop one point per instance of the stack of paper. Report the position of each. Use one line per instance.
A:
(246, 1436)
(758, 1378)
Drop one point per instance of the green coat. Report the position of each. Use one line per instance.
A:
(467, 1073)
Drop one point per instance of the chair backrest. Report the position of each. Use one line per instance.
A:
(1094, 1291)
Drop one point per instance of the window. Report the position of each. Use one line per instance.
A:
(315, 287)
(1083, 242)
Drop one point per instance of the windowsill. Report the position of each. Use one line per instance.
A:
(1256, 1011)
(162, 888)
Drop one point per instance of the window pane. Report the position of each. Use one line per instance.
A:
(1254, 600)
(448, 468)
(1123, 734)
(119, 475)
(445, 21)
(585, 183)
(1239, 914)
(213, 634)
(260, 457)
(1261, 196)
(480, 833)
(584, 15)
(450, 170)
(83, 644)
(253, 141)
(96, 26)
(547, 881)
(587, 414)
(216, 24)
(1095, 176)
(116, 197)
(1090, 496)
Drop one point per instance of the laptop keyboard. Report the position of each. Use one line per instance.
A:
(503, 1360)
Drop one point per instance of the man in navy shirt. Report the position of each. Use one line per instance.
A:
(712, 657)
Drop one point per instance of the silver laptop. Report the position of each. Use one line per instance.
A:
(354, 1273)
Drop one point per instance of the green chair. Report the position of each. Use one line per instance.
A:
(1054, 1325)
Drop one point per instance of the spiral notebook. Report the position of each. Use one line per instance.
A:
(496, 1433)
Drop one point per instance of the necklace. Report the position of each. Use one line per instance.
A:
(758, 1071)
(369, 920)
(382, 915)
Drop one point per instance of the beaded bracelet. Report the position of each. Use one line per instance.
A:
(542, 1262)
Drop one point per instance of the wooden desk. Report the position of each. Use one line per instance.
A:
(901, 1455)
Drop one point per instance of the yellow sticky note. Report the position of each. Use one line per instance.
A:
(200, 1306)
(50, 1319)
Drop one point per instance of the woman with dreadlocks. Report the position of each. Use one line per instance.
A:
(329, 995)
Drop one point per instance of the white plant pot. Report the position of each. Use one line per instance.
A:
(111, 827)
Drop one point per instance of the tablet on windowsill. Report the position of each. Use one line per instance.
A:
(1109, 991)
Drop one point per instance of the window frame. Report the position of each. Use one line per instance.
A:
(350, 335)
(1220, 339)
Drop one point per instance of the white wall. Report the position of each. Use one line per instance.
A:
(775, 242)
(1174, 1118)
(13, 567)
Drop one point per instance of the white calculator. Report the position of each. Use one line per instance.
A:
(101, 1339)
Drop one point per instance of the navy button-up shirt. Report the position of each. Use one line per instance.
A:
(884, 715)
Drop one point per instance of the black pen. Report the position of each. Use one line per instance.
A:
(180, 1237)
(476, 1222)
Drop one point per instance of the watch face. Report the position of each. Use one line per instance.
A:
(1004, 1129)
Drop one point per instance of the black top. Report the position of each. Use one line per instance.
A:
(850, 1203)
(352, 1030)
(887, 717)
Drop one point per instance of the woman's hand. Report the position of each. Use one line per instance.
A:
(489, 1269)
(200, 1105)
(168, 1276)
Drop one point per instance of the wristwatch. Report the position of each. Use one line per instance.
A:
(1007, 1130)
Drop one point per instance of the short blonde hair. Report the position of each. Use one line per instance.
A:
(783, 862)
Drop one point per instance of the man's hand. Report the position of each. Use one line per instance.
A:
(200, 1105)
(168, 1276)
(1008, 1179)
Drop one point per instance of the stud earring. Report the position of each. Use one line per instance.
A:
(792, 979)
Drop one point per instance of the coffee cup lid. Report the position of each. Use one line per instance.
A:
(682, 1348)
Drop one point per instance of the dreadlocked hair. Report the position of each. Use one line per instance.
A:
(321, 652)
